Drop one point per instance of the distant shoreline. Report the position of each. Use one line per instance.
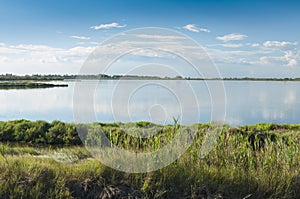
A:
(10, 77)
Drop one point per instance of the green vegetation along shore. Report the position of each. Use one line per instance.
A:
(48, 160)
(28, 85)
(57, 77)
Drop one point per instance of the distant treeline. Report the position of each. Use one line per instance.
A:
(56, 77)
(10, 77)
(37, 77)
(254, 79)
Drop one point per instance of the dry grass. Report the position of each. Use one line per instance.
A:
(260, 161)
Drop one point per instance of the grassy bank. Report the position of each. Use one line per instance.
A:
(40, 160)
(28, 85)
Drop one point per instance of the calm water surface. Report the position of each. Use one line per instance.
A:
(247, 102)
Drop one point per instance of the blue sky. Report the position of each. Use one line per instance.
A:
(243, 38)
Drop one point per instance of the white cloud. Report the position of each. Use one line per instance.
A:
(279, 43)
(153, 53)
(95, 43)
(80, 37)
(237, 57)
(194, 28)
(264, 60)
(247, 56)
(41, 58)
(292, 63)
(204, 30)
(31, 47)
(228, 45)
(108, 26)
(290, 58)
(79, 51)
(282, 53)
(232, 37)
(164, 37)
(2, 44)
(3, 59)
(253, 44)
(30, 58)
(88, 43)
(8, 50)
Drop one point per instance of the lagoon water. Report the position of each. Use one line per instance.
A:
(245, 102)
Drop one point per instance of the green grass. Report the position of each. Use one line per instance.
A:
(255, 161)
(28, 85)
